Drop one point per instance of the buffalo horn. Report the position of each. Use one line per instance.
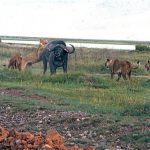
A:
(70, 50)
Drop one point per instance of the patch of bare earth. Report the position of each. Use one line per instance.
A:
(77, 127)
(21, 94)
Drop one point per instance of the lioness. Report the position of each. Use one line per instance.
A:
(15, 61)
(119, 67)
(33, 57)
(147, 65)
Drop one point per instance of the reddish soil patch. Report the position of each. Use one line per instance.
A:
(28, 141)
(148, 75)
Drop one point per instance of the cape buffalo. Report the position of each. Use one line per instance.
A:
(56, 54)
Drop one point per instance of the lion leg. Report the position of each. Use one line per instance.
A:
(129, 74)
(10, 66)
(13, 65)
(119, 76)
(23, 66)
(16, 65)
(112, 75)
(124, 76)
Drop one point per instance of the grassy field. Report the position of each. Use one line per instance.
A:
(121, 109)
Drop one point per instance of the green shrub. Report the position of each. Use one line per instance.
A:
(142, 47)
(146, 83)
(104, 69)
(139, 71)
(6, 54)
(137, 109)
(138, 137)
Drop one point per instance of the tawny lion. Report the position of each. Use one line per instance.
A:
(20, 62)
(122, 68)
(33, 57)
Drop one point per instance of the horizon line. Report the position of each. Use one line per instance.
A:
(76, 40)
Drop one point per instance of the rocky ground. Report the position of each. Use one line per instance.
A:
(77, 127)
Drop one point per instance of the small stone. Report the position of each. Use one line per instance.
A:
(69, 134)
(118, 148)
(40, 122)
(2, 93)
(8, 108)
(78, 120)
(84, 137)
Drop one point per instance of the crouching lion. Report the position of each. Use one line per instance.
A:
(15, 61)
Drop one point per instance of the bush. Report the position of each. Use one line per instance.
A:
(137, 109)
(142, 47)
(139, 71)
(146, 83)
(4, 55)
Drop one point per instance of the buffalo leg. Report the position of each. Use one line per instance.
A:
(52, 68)
(65, 63)
(51, 65)
(65, 67)
(45, 65)
(53, 71)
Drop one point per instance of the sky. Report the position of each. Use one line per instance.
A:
(86, 19)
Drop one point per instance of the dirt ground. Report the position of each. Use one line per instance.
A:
(77, 127)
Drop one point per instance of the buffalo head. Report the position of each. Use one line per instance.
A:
(56, 53)
(59, 47)
(60, 54)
